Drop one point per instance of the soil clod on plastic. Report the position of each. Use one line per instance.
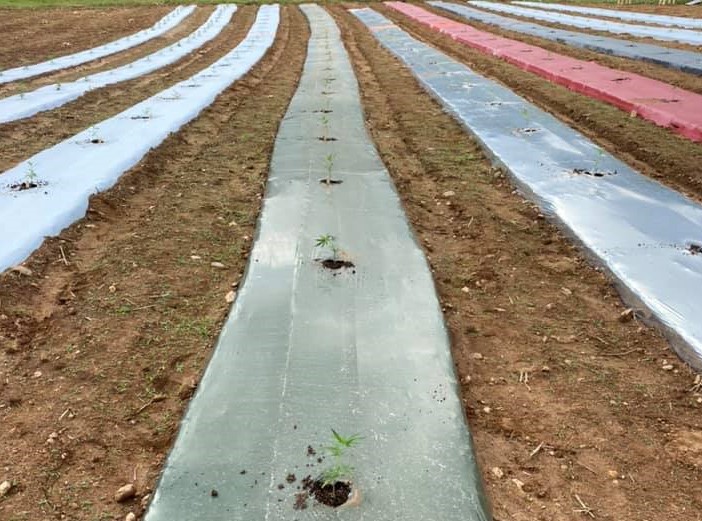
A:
(333, 495)
(331, 181)
(335, 264)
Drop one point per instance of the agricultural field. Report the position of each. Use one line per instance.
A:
(387, 260)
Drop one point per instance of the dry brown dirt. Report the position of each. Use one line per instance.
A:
(99, 354)
(564, 401)
(35, 35)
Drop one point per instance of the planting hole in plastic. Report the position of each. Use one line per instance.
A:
(26, 185)
(326, 181)
(594, 173)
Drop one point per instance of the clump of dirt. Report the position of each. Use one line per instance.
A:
(695, 249)
(331, 181)
(336, 264)
(333, 495)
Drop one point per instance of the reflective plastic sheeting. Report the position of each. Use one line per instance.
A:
(629, 16)
(53, 96)
(164, 25)
(70, 172)
(686, 61)
(645, 234)
(306, 350)
(642, 31)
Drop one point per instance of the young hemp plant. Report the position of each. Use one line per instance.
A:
(598, 161)
(328, 241)
(329, 164)
(31, 176)
(334, 262)
(325, 124)
(335, 482)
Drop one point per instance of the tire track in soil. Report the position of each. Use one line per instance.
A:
(653, 151)
(36, 35)
(21, 139)
(121, 334)
(520, 300)
(186, 27)
(672, 77)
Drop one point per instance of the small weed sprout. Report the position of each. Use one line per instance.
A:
(95, 135)
(325, 123)
(328, 241)
(598, 160)
(329, 164)
(31, 176)
(525, 113)
(339, 470)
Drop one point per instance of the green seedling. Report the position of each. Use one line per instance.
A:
(598, 160)
(325, 124)
(329, 163)
(336, 473)
(339, 470)
(95, 135)
(525, 113)
(328, 241)
(31, 176)
(347, 443)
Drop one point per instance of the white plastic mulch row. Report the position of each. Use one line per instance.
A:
(629, 16)
(164, 25)
(93, 160)
(642, 31)
(52, 96)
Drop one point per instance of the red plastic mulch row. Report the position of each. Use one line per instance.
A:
(663, 104)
